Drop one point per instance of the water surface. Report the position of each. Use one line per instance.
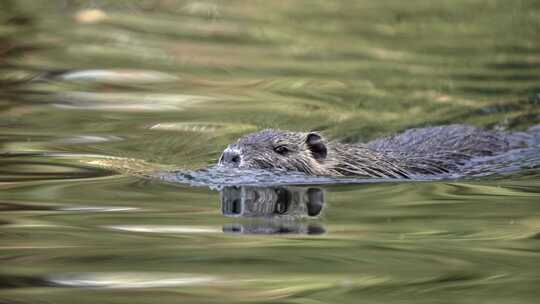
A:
(96, 97)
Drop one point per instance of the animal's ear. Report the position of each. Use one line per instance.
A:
(316, 145)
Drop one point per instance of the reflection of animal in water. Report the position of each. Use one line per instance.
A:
(293, 202)
(423, 151)
(278, 209)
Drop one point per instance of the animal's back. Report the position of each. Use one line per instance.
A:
(455, 139)
(443, 149)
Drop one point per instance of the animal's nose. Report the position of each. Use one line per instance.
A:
(230, 157)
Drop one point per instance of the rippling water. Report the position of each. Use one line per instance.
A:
(107, 108)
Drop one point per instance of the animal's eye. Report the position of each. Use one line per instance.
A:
(281, 149)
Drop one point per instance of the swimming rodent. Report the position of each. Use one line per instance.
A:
(421, 151)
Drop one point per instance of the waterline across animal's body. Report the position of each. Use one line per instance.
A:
(436, 150)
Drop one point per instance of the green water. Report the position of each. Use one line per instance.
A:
(79, 223)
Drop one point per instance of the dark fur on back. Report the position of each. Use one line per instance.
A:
(425, 151)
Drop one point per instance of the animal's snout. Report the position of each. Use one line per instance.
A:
(230, 157)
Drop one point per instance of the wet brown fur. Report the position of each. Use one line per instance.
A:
(422, 151)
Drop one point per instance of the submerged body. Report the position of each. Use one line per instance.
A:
(423, 151)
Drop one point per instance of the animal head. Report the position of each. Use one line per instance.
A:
(277, 149)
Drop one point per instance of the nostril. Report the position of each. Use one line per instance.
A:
(230, 157)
